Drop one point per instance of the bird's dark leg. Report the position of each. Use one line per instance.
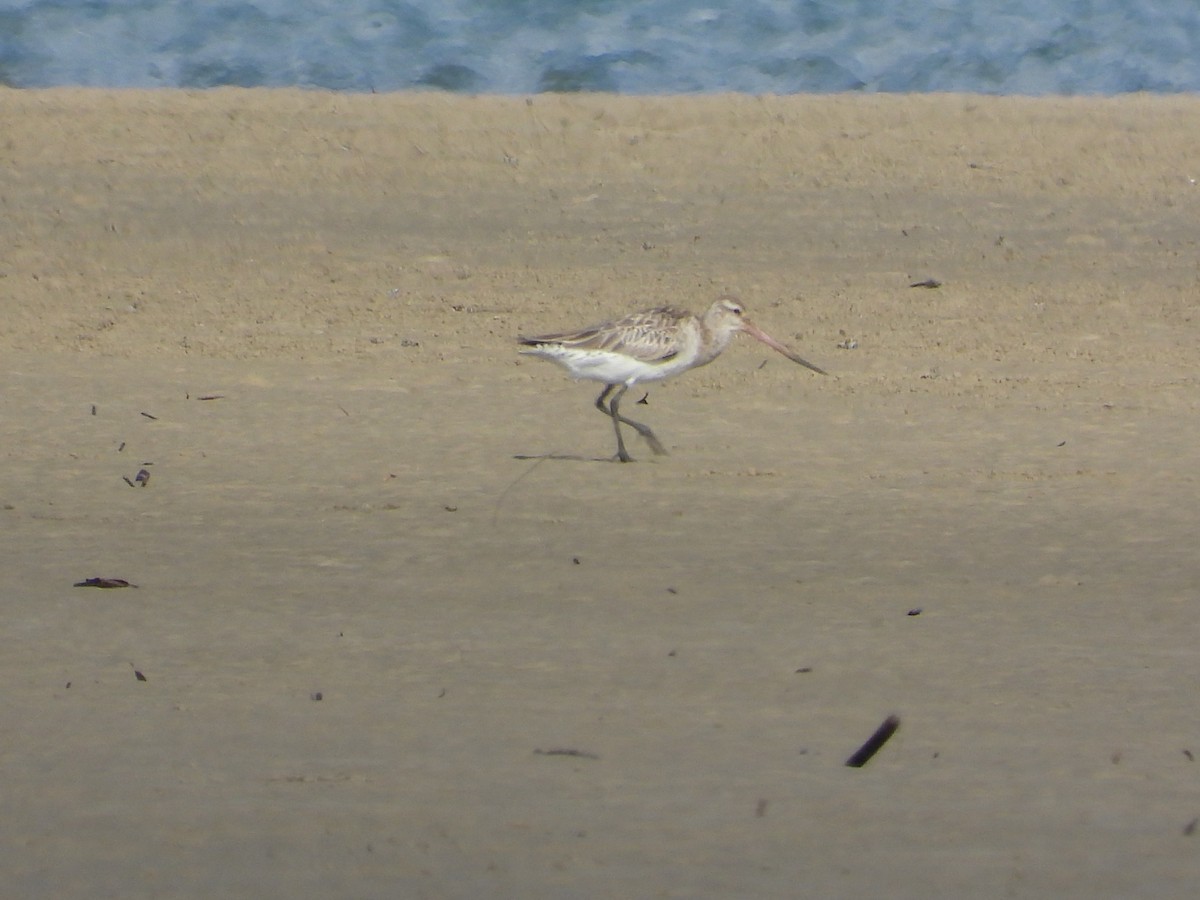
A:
(622, 453)
(643, 430)
(613, 410)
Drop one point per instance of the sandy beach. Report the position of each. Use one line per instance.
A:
(401, 627)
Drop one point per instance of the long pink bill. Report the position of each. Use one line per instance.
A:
(754, 331)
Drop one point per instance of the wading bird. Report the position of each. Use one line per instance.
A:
(648, 346)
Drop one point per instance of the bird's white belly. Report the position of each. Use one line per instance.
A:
(607, 367)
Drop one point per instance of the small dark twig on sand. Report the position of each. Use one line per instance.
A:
(863, 754)
(581, 754)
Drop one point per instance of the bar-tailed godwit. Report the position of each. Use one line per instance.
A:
(648, 346)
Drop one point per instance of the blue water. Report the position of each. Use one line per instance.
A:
(628, 46)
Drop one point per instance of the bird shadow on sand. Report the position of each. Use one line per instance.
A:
(537, 459)
(565, 457)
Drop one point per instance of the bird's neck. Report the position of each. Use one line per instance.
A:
(714, 339)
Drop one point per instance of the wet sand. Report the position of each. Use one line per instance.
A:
(385, 567)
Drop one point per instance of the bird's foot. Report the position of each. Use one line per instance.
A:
(651, 439)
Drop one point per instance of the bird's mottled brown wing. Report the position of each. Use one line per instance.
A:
(649, 336)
